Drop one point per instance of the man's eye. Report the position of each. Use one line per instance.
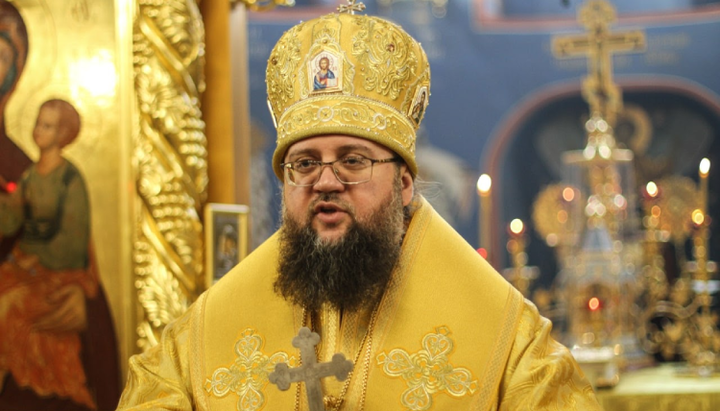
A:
(354, 161)
(304, 165)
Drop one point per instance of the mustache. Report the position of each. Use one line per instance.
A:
(331, 198)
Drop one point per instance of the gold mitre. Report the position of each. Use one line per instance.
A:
(348, 74)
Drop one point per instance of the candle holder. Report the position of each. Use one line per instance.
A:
(520, 275)
(703, 345)
(677, 319)
(484, 185)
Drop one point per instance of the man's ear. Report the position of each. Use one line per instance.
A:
(406, 180)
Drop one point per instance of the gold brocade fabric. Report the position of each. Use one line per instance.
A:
(159, 378)
(541, 373)
(450, 334)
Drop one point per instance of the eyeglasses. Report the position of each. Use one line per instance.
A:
(348, 170)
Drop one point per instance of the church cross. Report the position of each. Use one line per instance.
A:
(598, 45)
(351, 7)
(310, 372)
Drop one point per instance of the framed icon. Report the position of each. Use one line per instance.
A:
(226, 238)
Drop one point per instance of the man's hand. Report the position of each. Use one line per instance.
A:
(68, 313)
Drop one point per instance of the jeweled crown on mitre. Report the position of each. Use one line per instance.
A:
(348, 74)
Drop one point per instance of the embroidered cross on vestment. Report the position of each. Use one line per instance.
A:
(310, 372)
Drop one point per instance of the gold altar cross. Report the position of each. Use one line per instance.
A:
(310, 372)
(351, 7)
(598, 45)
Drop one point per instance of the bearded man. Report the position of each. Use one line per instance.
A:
(392, 300)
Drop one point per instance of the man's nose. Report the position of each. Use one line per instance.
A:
(328, 180)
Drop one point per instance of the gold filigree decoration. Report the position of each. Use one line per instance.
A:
(428, 371)
(385, 58)
(340, 111)
(247, 376)
(678, 197)
(170, 160)
(282, 68)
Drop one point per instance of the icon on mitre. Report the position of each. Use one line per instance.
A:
(325, 73)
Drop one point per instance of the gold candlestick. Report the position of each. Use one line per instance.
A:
(516, 247)
(699, 217)
(484, 184)
(704, 171)
(705, 359)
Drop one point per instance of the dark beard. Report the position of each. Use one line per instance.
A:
(347, 274)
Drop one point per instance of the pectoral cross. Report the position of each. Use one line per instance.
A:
(598, 45)
(310, 372)
(351, 7)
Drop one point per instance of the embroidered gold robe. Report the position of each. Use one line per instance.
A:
(449, 334)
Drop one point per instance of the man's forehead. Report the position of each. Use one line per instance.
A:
(336, 143)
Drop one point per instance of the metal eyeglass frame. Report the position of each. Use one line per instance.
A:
(287, 167)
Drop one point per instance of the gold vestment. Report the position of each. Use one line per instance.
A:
(449, 334)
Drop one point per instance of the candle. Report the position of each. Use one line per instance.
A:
(517, 227)
(484, 184)
(700, 240)
(520, 277)
(704, 171)
(652, 189)
(516, 243)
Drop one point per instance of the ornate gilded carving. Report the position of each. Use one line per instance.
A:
(170, 161)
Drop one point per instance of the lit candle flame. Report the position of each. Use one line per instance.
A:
(704, 167)
(651, 188)
(698, 217)
(484, 183)
(517, 226)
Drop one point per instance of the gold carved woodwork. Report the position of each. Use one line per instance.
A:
(170, 161)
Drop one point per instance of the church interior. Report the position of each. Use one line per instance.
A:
(574, 143)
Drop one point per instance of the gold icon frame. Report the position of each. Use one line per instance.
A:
(219, 249)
